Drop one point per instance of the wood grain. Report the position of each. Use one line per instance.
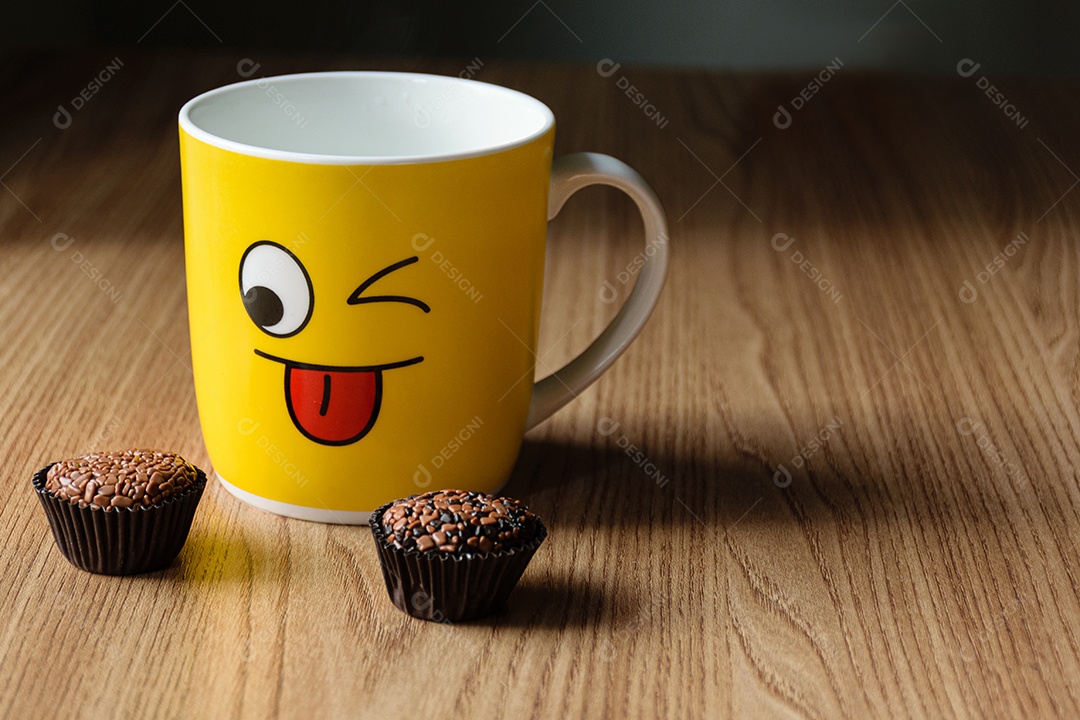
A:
(921, 560)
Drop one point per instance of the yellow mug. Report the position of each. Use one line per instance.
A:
(365, 262)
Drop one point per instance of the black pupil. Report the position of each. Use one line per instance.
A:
(263, 306)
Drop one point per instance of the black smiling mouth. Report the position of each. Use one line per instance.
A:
(340, 368)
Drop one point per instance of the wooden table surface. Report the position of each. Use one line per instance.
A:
(835, 476)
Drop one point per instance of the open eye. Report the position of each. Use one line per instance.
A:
(276, 289)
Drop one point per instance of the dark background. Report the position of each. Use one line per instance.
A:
(922, 36)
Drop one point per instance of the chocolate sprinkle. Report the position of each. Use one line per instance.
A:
(458, 523)
(125, 479)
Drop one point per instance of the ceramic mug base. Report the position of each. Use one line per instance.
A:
(301, 512)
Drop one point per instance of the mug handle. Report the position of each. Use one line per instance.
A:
(569, 174)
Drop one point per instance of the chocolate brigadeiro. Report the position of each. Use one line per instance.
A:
(453, 555)
(120, 513)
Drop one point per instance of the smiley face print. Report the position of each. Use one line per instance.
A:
(328, 404)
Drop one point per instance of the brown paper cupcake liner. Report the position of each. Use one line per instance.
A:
(442, 588)
(125, 541)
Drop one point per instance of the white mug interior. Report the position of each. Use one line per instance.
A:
(365, 118)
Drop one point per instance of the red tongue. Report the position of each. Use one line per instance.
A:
(332, 407)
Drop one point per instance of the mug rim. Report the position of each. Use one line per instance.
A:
(189, 126)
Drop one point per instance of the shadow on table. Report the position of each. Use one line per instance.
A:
(586, 488)
(560, 602)
(606, 485)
